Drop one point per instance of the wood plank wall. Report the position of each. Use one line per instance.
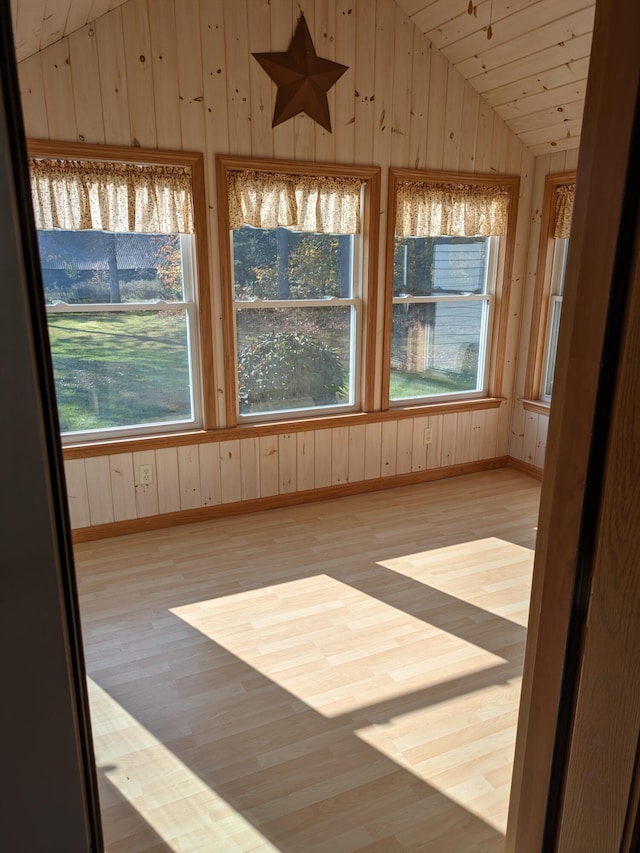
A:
(105, 489)
(169, 74)
(528, 433)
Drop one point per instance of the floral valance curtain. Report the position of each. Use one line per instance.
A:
(564, 210)
(311, 203)
(80, 195)
(454, 210)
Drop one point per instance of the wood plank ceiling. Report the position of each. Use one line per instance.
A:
(532, 71)
(39, 23)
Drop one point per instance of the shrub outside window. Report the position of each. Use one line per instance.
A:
(448, 242)
(117, 253)
(298, 319)
(295, 298)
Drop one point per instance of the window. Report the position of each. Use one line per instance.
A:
(118, 258)
(441, 311)
(448, 243)
(296, 244)
(557, 211)
(560, 248)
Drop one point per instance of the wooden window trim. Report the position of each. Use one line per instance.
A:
(541, 407)
(542, 290)
(195, 161)
(498, 331)
(370, 175)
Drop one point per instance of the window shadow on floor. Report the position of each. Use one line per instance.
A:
(306, 782)
(304, 778)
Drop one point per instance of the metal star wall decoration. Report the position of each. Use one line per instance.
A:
(303, 78)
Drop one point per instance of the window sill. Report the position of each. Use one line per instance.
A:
(158, 442)
(538, 406)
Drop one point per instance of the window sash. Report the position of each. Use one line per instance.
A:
(296, 303)
(487, 298)
(354, 302)
(484, 348)
(355, 347)
(551, 347)
(116, 307)
(559, 265)
(187, 256)
(165, 426)
(558, 269)
(187, 306)
(472, 297)
(364, 260)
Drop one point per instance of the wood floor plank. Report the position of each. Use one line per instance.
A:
(335, 677)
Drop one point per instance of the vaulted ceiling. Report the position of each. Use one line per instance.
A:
(39, 23)
(532, 70)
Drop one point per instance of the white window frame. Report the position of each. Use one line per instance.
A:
(196, 296)
(499, 218)
(354, 302)
(362, 301)
(487, 299)
(558, 268)
(189, 306)
(549, 283)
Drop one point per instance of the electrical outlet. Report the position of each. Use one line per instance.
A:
(145, 475)
(428, 435)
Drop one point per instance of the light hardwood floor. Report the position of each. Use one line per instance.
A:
(335, 677)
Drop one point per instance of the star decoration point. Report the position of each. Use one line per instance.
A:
(303, 78)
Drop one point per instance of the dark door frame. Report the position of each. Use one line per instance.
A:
(49, 801)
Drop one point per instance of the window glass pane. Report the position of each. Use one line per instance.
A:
(98, 267)
(121, 369)
(553, 346)
(282, 264)
(294, 358)
(436, 348)
(559, 263)
(440, 265)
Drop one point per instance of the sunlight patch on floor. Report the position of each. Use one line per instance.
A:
(493, 563)
(335, 648)
(402, 654)
(479, 762)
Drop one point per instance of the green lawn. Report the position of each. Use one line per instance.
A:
(120, 369)
(117, 369)
(404, 385)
